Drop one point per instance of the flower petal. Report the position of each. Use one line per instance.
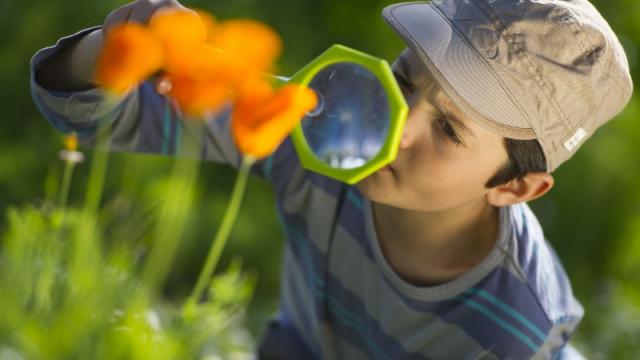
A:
(260, 124)
(130, 54)
(71, 142)
(251, 44)
(198, 98)
(181, 32)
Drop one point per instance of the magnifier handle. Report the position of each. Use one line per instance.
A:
(279, 80)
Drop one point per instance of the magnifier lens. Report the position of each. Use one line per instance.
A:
(351, 122)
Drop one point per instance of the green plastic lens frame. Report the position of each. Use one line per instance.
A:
(397, 107)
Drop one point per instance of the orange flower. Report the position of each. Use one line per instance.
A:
(261, 120)
(201, 77)
(207, 64)
(198, 98)
(250, 44)
(181, 32)
(130, 54)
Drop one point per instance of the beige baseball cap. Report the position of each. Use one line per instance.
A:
(549, 70)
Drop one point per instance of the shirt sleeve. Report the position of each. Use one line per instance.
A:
(557, 346)
(141, 121)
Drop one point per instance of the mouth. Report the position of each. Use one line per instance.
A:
(386, 169)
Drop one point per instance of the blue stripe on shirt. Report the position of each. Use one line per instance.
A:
(510, 311)
(353, 322)
(351, 221)
(151, 129)
(503, 324)
(471, 318)
(506, 333)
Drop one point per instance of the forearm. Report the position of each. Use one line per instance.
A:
(73, 68)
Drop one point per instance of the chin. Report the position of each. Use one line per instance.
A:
(374, 191)
(366, 187)
(383, 194)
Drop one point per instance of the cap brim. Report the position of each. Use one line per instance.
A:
(461, 73)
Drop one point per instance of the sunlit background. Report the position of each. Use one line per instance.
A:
(592, 216)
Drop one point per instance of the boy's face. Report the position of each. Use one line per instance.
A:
(444, 159)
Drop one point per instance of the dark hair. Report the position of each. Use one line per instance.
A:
(525, 156)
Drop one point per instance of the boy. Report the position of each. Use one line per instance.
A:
(436, 255)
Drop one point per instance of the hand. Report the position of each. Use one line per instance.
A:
(73, 68)
(139, 11)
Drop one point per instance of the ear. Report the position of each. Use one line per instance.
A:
(527, 188)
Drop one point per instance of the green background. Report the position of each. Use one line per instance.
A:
(592, 216)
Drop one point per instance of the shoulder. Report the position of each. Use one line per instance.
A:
(528, 296)
(538, 279)
(538, 264)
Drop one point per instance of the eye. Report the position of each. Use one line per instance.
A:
(448, 130)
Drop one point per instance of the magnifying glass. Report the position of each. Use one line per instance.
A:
(357, 124)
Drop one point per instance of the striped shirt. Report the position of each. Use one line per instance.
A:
(340, 298)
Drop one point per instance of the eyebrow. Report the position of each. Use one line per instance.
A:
(404, 66)
(402, 78)
(404, 82)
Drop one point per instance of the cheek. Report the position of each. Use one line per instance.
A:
(449, 175)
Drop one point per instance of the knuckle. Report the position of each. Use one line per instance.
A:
(116, 16)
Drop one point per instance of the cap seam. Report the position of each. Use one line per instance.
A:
(498, 80)
(578, 31)
(581, 123)
(522, 55)
(418, 49)
(616, 79)
(575, 32)
(610, 62)
(528, 88)
(500, 26)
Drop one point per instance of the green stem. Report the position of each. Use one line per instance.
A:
(66, 182)
(174, 214)
(225, 229)
(172, 221)
(86, 257)
(98, 169)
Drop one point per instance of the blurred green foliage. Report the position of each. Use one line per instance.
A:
(73, 288)
(592, 216)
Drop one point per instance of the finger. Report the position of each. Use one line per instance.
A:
(141, 12)
(170, 5)
(166, 3)
(117, 16)
(176, 4)
(148, 8)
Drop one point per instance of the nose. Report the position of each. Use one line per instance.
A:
(404, 141)
(409, 132)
